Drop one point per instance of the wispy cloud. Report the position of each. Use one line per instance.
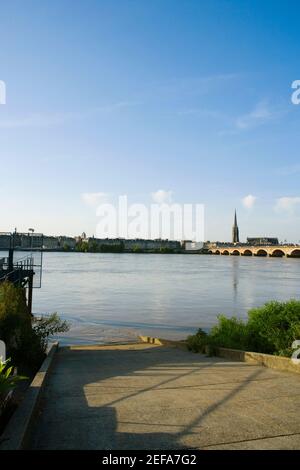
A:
(261, 114)
(249, 201)
(287, 204)
(162, 196)
(57, 119)
(94, 199)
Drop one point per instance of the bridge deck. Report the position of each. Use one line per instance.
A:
(144, 396)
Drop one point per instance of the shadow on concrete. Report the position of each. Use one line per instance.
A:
(81, 404)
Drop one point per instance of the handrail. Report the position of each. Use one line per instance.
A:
(24, 264)
(7, 276)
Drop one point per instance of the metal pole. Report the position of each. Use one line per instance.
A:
(30, 286)
(11, 253)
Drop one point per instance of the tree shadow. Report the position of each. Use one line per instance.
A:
(109, 398)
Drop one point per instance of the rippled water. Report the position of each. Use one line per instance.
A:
(111, 297)
(117, 296)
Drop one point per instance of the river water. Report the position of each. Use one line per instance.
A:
(112, 297)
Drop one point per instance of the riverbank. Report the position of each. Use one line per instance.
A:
(144, 252)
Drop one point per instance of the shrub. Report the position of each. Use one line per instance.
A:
(269, 329)
(8, 380)
(25, 338)
(14, 315)
(197, 342)
(275, 326)
(32, 345)
(49, 326)
(230, 333)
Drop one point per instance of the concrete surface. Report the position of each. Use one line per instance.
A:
(147, 396)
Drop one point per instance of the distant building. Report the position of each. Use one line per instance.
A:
(255, 241)
(151, 245)
(235, 231)
(5, 239)
(66, 242)
(134, 244)
(50, 243)
(191, 246)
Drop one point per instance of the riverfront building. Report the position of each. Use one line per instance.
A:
(260, 241)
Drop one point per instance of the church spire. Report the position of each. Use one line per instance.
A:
(235, 230)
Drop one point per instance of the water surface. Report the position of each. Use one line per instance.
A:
(110, 297)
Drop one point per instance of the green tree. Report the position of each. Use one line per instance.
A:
(137, 249)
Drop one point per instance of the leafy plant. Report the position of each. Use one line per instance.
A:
(275, 326)
(26, 338)
(8, 380)
(230, 333)
(269, 329)
(32, 345)
(49, 326)
(197, 342)
(14, 315)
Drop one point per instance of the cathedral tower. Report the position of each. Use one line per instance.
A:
(235, 231)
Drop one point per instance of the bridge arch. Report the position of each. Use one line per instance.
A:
(247, 253)
(277, 253)
(261, 252)
(225, 252)
(235, 253)
(217, 252)
(295, 253)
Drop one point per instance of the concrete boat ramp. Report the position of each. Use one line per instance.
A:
(146, 396)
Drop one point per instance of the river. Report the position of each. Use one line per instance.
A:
(113, 297)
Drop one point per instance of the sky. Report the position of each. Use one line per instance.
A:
(181, 101)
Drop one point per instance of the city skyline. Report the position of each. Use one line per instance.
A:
(235, 237)
(137, 98)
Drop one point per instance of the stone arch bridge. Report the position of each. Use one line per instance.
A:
(248, 250)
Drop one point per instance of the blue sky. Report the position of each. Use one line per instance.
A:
(131, 97)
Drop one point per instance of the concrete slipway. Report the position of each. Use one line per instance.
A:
(144, 396)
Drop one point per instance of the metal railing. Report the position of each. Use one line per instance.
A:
(18, 271)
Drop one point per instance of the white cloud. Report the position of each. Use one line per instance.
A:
(94, 199)
(249, 201)
(258, 115)
(287, 204)
(161, 196)
(261, 114)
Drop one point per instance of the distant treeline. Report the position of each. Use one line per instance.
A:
(94, 247)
